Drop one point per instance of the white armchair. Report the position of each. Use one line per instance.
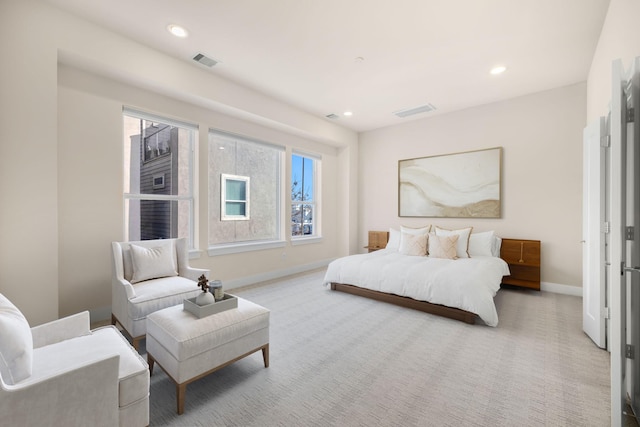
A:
(64, 374)
(147, 276)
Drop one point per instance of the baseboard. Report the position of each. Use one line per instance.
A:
(558, 288)
(277, 274)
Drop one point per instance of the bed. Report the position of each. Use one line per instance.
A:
(461, 289)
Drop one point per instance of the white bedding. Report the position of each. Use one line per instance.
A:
(466, 283)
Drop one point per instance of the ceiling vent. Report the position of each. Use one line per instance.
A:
(415, 110)
(332, 116)
(205, 60)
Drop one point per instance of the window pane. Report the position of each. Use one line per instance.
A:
(236, 208)
(157, 219)
(236, 190)
(157, 157)
(303, 175)
(260, 164)
(301, 219)
(301, 178)
(157, 178)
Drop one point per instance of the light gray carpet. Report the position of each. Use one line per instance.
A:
(344, 360)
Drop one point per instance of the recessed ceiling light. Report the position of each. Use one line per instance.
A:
(498, 70)
(177, 31)
(348, 113)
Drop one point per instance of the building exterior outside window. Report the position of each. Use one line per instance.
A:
(244, 191)
(158, 189)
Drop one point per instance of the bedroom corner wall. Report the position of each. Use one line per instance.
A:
(541, 136)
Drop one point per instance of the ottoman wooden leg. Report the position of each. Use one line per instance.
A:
(181, 390)
(265, 355)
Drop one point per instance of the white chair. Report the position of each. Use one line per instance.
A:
(147, 276)
(64, 374)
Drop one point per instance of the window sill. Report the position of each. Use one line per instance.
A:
(295, 241)
(234, 248)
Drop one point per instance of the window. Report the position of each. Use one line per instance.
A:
(304, 199)
(158, 163)
(244, 194)
(235, 197)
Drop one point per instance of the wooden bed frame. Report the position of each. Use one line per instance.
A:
(512, 251)
(427, 307)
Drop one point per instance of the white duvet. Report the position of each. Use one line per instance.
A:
(466, 283)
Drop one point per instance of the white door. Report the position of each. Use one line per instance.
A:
(594, 227)
(615, 279)
(623, 277)
(632, 234)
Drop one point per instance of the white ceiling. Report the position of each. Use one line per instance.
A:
(303, 52)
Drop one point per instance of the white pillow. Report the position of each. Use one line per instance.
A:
(481, 244)
(16, 344)
(413, 244)
(394, 239)
(495, 248)
(462, 247)
(443, 246)
(422, 230)
(153, 263)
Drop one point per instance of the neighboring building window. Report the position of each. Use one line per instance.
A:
(244, 192)
(158, 176)
(235, 197)
(304, 200)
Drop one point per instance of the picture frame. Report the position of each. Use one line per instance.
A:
(457, 185)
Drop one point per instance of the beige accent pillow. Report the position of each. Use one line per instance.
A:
(153, 263)
(462, 248)
(413, 231)
(16, 344)
(443, 246)
(414, 244)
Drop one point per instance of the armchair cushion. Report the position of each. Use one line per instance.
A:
(156, 294)
(153, 262)
(65, 355)
(16, 343)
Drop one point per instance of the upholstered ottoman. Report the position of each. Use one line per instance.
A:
(188, 348)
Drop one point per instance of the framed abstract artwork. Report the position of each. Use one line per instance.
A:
(459, 185)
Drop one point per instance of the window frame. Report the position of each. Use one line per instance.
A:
(190, 197)
(224, 216)
(214, 249)
(315, 202)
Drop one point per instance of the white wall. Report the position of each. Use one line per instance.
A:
(541, 136)
(619, 39)
(28, 172)
(60, 210)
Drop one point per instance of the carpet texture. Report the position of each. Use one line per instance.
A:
(343, 360)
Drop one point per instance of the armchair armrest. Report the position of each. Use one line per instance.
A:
(193, 273)
(121, 284)
(84, 395)
(62, 329)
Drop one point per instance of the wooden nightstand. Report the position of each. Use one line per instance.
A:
(523, 257)
(377, 240)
